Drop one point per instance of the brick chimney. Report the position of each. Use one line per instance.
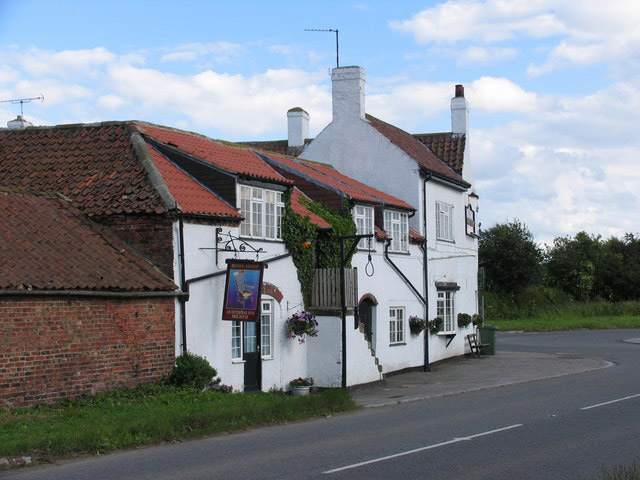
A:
(348, 93)
(297, 127)
(459, 112)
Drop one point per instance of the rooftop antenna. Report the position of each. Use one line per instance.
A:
(22, 101)
(327, 30)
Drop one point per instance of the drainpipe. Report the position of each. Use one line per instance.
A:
(183, 286)
(425, 255)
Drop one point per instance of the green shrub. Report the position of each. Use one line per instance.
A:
(192, 371)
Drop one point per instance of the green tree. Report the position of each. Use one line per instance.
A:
(510, 257)
(575, 265)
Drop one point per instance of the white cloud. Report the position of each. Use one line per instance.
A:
(235, 104)
(67, 63)
(569, 165)
(219, 51)
(110, 102)
(501, 95)
(579, 32)
(486, 22)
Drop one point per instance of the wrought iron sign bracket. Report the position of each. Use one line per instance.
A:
(231, 244)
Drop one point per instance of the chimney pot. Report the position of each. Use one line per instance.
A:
(297, 127)
(459, 91)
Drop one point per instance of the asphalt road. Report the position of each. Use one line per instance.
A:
(559, 428)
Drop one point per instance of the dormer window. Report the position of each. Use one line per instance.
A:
(262, 210)
(396, 224)
(363, 218)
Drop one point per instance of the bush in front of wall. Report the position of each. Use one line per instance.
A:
(193, 371)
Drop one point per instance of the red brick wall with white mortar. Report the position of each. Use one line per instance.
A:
(56, 347)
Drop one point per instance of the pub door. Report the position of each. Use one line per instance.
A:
(251, 357)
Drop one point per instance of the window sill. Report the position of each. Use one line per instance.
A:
(445, 334)
(267, 359)
(237, 360)
(260, 239)
(445, 241)
(393, 252)
(397, 344)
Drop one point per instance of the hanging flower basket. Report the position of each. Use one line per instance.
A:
(416, 325)
(464, 319)
(301, 324)
(435, 325)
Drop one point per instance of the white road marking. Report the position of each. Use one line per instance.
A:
(610, 402)
(422, 449)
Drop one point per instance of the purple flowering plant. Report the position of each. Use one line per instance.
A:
(301, 324)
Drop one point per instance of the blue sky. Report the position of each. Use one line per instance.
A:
(553, 85)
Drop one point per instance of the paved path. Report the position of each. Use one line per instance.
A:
(469, 374)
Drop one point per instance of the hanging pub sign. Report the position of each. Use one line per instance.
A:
(470, 220)
(242, 290)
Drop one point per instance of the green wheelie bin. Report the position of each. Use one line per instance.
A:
(488, 337)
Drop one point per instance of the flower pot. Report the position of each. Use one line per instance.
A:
(300, 391)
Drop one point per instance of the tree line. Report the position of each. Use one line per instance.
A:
(585, 266)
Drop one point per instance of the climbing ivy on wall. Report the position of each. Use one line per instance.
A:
(296, 230)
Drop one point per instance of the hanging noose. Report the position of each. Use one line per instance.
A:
(369, 269)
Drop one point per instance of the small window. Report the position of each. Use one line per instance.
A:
(236, 340)
(363, 218)
(396, 325)
(444, 222)
(396, 224)
(445, 309)
(262, 210)
(266, 320)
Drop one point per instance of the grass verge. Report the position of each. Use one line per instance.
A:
(150, 414)
(566, 322)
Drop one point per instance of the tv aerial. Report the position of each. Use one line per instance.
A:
(22, 101)
(327, 30)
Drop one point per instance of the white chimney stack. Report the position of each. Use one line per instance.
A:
(297, 127)
(459, 112)
(348, 93)
(19, 123)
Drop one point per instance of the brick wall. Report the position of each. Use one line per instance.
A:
(152, 235)
(55, 347)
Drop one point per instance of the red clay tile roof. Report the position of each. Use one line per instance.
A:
(232, 158)
(299, 207)
(191, 196)
(330, 171)
(415, 236)
(380, 233)
(448, 146)
(416, 150)
(330, 176)
(276, 146)
(48, 245)
(94, 165)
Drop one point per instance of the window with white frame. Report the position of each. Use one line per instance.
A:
(363, 218)
(444, 222)
(445, 309)
(243, 334)
(262, 210)
(266, 324)
(396, 325)
(396, 224)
